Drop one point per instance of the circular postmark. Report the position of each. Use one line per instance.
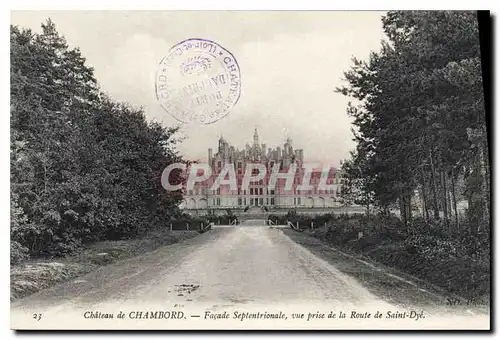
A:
(199, 81)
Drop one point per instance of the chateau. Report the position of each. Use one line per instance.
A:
(201, 197)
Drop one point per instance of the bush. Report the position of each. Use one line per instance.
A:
(458, 262)
(304, 221)
(18, 253)
(20, 230)
(278, 219)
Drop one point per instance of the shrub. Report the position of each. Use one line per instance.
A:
(20, 230)
(457, 262)
(18, 253)
(279, 219)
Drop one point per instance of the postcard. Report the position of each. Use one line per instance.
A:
(250, 170)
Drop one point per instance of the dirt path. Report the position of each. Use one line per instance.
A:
(238, 267)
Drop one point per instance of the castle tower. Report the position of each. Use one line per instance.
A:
(221, 144)
(255, 138)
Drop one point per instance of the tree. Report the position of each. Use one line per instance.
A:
(419, 117)
(83, 167)
(355, 185)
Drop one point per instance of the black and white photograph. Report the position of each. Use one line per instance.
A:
(250, 170)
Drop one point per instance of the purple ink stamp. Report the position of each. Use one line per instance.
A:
(199, 81)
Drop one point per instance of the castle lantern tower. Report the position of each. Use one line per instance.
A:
(221, 144)
(255, 138)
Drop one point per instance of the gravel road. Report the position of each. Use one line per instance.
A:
(236, 267)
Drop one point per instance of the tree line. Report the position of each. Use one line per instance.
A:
(419, 116)
(84, 167)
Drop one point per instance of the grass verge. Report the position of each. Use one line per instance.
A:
(36, 274)
(398, 278)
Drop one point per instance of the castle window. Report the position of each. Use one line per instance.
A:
(239, 201)
(261, 201)
(272, 200)
(251, 201)
(218, 191)
(218, 201)
(219, 164)
(251, 191)
(261, 191)
(298, 201)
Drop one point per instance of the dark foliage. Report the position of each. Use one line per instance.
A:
(451, 261)
(419, 120)
(83, 167)
(422, 148)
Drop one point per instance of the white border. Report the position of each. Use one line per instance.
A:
(256, 4)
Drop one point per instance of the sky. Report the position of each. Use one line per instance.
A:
(290, 64)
